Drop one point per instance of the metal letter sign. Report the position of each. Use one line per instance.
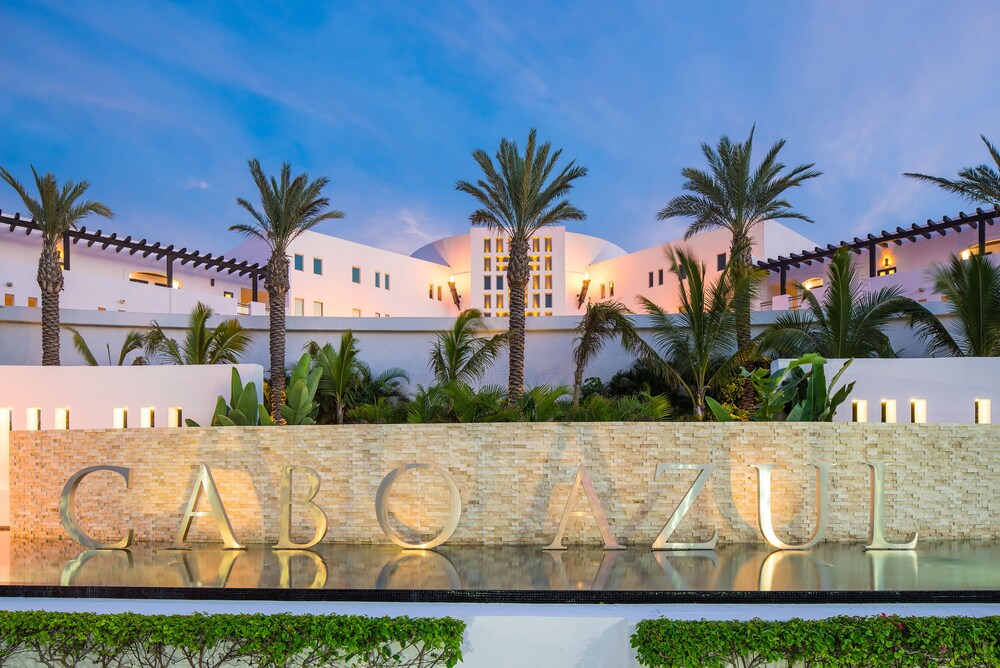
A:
(206, 483)
(876, 514)
(68, 500)
(583, 479)
(382, 508)
(704, 472)
(764, 506)
(285, 503)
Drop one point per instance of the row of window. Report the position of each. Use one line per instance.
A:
(496, 245)
(535, 263)
(536, 282)
(299, 261)
(430, 292)
(299, 308)
(504, 314)
(720, 264)
(536, 300)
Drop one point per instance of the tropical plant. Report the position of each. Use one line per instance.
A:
(696, 350)
(466, 404)
(641, 407)
(339, 383)
(429, 404)
(847, 322)
(300, 407)
(544, 403)
(380, 411)
(519, 196)
(388, 384)
(458, 354)
(225, 344)
(971, 290)
(602, 322)
(979, 184)
(289, 207)
(737, 196)
(243, 408)
(133, 342)
(56, 211)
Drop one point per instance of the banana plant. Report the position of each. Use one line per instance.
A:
(299, 406)
(243, 409)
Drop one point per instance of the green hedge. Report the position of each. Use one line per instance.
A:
(69, 639)
(869, 642)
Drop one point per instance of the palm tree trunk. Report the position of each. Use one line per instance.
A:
(517, 281)
(748, 396)
(50, 280)
(577, 384)
(277, 289)
(340, 412)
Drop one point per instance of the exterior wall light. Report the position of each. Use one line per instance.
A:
(982, 412)
(175, 416)
(859, 410)
(918, 411)
(119, 418)
(6, 418)
(33, 419)
(582, 297)
(147, 417)
(455, 297)
(889, 411)
(62, 418)
(966, 254)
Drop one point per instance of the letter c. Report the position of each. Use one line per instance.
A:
(68, 500)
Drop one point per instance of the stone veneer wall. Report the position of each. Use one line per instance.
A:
(515, 479)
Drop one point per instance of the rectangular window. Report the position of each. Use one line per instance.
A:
(439, 293)
(387, 281)
(548, 300)
(611, 288)
(720, 261)
(487, 264)
(430, 291)
(500, 300)
(377, 314)
(385, 315)
(318, 308)
(487, 301)
(32, 302)
(300, 307)
(8, 299)
(227, 294)
(888, 410)
(486, 246)
(681, 272)
(650, 279)
(548, 281)
(356, 312)
(859, 410)
(378, 280)
(499, 282)
(535, 300)
(659, 278)
(318, 266)
(603, 291)
(487, 282)
(535, 282)
(548, 263)
(918, 411)
(298, 260)
(534, 244)
(499, 244)
(355, 274)
(548, 244)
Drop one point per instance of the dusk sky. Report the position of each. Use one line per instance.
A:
(159, 105)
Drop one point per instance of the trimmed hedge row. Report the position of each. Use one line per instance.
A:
(869, 642)
(69, 639)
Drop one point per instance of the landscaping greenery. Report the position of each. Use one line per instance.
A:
(127, 639)
(224, 344)
(855, 642)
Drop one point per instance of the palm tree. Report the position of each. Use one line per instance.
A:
(225, 344)
(389, 384)
(848, 322)
(977, 184)
(735, 195)
(134, 341)
(55, 212)
(289, 207)
(519, 196)
(341, 380)
(971, 289)
(458, 354)
(602, 322)
(697, 349)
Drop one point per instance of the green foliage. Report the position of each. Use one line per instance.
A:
(299, 406)
(133, 342)
(55, 638)
(380, 411)
(642, 407)
(592, 386)
(243, 410)
(225, 344)
(601, 323)
(872, 642)
(977, 184)
(458, 354)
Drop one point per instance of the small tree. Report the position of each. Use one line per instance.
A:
(602, 322)
(459, 354)
(225, 344)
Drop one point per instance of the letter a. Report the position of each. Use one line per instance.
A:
(583, 478)
(206, 483)
(285, 503)
(764, 507)
(704, 472)
(876, 514)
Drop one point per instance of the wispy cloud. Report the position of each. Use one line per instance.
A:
(193, 183)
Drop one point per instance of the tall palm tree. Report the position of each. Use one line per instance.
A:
(737, 196)
(847, 322)
(697, 349)
(458, 354)
(56, 211)
(225, 344)
(602, 322)
(971, 289)
(133, 342)
(977, 184)
(289, 207)
(519, 196)
(341, 380)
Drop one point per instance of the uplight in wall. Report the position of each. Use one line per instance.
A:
(918, 411)
(147, 417)
(983, 411)
(175, 416)
(888, 410)
(62, 418)
(6, 418)
(859, 410)
(33, 419)
(119, 418)
(966, 254)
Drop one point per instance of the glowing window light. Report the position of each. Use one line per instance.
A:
(6, 418)
(888, 410)
(966, 254)
(918, 411)
(62, 418)
(147, 417)
(33, 419)
(119, 418)
(175, 416)
(982, 411)
(859, 410)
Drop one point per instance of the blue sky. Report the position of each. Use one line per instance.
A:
(159, 105)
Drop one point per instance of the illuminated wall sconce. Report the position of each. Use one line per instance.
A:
(582, 297)
(918, 411)
(119, 419)
(888, 411)
(6, 418)
(455, 297)
(147, 417)
(62, 418)
(982, 411)
(33, 419)
(859, 410)
(966, 254)
(175, 416)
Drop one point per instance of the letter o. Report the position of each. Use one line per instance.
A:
(382, 510)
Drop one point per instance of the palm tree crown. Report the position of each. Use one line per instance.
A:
(458, 354)
(977, 184)
(602, 322)
(56, 211)
(518, 196)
